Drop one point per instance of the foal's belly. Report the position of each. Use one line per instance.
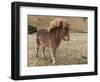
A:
(48, 43)
(45, 42)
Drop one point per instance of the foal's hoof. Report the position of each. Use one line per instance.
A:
(53, 62)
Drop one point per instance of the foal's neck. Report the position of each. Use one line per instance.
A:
(56, 36)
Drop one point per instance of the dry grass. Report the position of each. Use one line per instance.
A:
(69, 52)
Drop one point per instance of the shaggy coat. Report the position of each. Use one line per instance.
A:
(51, 38)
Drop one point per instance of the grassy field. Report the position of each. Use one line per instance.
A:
(69, 52)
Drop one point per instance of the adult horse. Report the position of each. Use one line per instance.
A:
(58, 30)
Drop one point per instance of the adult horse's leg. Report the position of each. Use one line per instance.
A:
(53, 52)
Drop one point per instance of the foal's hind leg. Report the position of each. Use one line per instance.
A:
(37, 51)
(43, 52)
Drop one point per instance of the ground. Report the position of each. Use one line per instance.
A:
(68, 53)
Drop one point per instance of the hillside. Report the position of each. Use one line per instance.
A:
(77, 24)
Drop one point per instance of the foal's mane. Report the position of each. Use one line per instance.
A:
(55, 24)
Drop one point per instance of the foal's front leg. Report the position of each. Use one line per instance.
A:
(53, 52)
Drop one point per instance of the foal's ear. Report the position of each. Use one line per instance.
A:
(58, 23)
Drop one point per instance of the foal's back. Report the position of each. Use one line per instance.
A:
(43, 38)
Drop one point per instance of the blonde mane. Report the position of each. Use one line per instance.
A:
(56, 23)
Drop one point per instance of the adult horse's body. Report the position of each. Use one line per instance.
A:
(58, 30)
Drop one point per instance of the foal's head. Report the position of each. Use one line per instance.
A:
(62, 26)
(66, 30)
